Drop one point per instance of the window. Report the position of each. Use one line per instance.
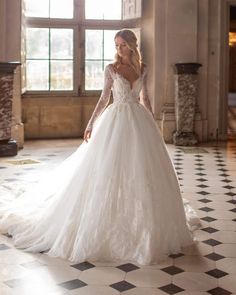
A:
(68, 43)
(99, 51)
(107, 9)
(49, 55)
(49, 8)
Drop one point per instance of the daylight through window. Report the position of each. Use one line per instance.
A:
(68, 43)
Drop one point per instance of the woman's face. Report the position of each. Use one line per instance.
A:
(122, 47)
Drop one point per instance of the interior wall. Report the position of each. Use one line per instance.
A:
(13, 30)
(2, 29)
(148, 48)
(202, 52)
(45, 117)
(213, 91)
(38, 117)
(231, 128)
(192, 31)
(56, 117)
(176, 40)
(218, 77)
(173, 31)
(223, 65)
(10, 51)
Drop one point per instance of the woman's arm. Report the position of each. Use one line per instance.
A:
(103, 100)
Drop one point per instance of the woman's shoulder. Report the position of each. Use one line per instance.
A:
(111, 68)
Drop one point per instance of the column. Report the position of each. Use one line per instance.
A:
(8, 146)
(186, 86)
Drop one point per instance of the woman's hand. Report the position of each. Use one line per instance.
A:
(87, 135)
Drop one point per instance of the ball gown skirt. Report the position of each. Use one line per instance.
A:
(116, 198)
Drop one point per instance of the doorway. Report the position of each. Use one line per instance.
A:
(231, 130)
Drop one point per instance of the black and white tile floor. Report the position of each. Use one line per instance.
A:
(207, 177)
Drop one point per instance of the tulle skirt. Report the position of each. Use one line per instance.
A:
(116, 198)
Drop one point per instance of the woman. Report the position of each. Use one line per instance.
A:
(117, 197)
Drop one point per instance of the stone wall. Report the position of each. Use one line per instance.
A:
(56, 117)
(6, 86)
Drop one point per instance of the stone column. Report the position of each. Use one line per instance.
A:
(8, 146)
(185, 103)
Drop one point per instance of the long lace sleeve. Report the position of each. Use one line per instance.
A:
(144, 92)
(103, 100)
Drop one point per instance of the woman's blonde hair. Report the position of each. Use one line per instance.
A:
(131, 40)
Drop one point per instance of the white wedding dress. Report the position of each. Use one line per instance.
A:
(116, 198)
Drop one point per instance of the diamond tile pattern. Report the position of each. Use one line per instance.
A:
(233, 210)
(172, 270)
(122, 286)
(73, 284)
(83, 266)
(207, 180)
(214, 256)
(210, 230)
(3, 247)
(212, 242)
(171, 289)
(219, 291)
(128, 267)
(208, 219)
(176, 255)
(203, 193)
(229, 186)
(202, 185)
(217, 273)
(15, 283)
(231, 194)
(206, 209)
(205, 201)
(232, 202)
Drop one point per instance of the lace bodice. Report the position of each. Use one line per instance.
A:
(122, 91)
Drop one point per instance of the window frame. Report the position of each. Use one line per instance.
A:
(79, 25)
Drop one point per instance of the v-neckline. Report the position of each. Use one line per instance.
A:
(131, 84)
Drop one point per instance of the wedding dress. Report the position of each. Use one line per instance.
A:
(116, 198)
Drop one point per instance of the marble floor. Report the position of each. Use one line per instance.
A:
(207, 176)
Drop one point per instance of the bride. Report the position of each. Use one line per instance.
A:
(116, 198)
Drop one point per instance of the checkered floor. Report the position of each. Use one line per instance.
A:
(207, 176)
